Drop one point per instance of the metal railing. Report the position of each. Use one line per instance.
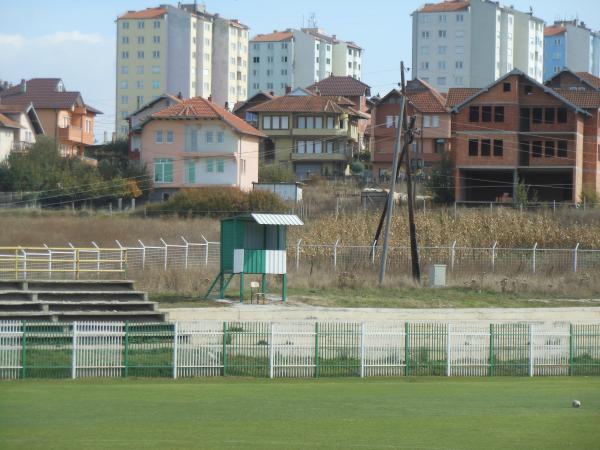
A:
(44, 262)
(296, 349)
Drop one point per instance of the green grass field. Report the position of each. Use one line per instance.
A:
(423, 413)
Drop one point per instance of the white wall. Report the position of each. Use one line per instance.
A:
(578, 49)
(6, 141)
(277, 80)
(305, 59)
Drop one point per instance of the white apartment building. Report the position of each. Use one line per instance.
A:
(471, 43)
(285, 60)
(177, 50)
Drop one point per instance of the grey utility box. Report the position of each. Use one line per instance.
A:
(437, 276)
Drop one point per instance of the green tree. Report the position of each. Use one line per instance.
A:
(273, 173)
(440, 182)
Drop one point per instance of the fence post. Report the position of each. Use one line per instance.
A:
(175, 344)
(492, 356)
(272, 336)
(187, 251)
(575, 258)
(316, 349)
(298, 254)
(335, 247)
(24, 263)
(24, 350)
(455, 210)
(121, 254)
(533, 255)
(570, 349)
(74, 353)
(224, 349)
(449, 350)
(206, 252)
(162, 241)
(373, 253)
(143, 254)
(49, 261)
(77, 263)
(452, 255)
(531, 356)
(362, 349)
(97, 256)
(554, 205)
(406, 350)
(126, 362)
(494, 256)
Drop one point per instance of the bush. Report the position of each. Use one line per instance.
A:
(441, 182)
(218, 201)
(357, 168)
(275, 174)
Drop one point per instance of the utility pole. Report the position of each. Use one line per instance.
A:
(391, 195)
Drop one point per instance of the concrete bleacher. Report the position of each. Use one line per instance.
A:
(76, 300)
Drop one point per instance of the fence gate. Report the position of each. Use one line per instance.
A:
(11, 336)
(510, 349)
(426, 349)
(98, 350)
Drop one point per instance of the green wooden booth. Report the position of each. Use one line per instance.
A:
(253, 244)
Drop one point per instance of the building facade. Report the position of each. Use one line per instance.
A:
(471, 43)
(197, 143)
(310, 134)
(61, 114)
(178, 50)
(571, 45)
(19, 128)
(284, 60)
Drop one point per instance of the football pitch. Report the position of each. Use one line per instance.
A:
(411, 413)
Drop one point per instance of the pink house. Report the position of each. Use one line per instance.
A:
(196, 143)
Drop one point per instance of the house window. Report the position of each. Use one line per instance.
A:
(156, 54)
(139, 84)
(536, 149)
(125, 55)
(550, 149)
(163, 170)
(486, 145)
(125, 40)
(561, 115)
(506, 87)
(486, 114)
(139, 70)
(537, 116)
(157, 24)
(209, 137)
(156, 69)
(474, 114)
(124, 70)
(561, 151)
(435, 121)
(473, 147)
(275, 123)
(220, 137)
(442, 50)
(156, 84)
(498, 148)
(124, 99)
(426, 121)
(499, 114)
(156, 39)
(528, 89)
(158, 137)
(141, 24)
(125, 25)
(439, 146)
(549, 115)
(425, 34)
(124, 84)
(210, 166)
(169, 136)
(442, 33)
(190, 171)
(220, 165)
(140, 39)
(140, 55)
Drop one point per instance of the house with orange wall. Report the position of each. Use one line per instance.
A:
(63, 114)
(196, 143)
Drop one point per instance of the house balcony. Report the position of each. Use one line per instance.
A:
(320, 132)
(319, 157)
(20, 147)
(75, 134)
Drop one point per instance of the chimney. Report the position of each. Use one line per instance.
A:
(210, 98)
(179, 96)
(105, 137)
(23, 85)
(273, 92)
(288, 89)
(227, 106)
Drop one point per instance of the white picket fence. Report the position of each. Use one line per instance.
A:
(299, 349)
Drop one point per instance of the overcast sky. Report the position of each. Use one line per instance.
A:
(75, 39)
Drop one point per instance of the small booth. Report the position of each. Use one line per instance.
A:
(254, 244)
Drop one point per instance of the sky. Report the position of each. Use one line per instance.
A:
(75, 39)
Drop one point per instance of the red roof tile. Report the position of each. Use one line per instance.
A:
(8, 123)
(589, 78)
(424, 97)
(276, 36)
(337, 85)
(554, 30)
(299, 103)
(148, 13)
(582, 99)
(200, 108)
(456, 96)
(447, 6)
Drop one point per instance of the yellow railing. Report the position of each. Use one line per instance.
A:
(24, 260)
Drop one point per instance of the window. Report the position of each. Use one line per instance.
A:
(458, 64)
(190, 171)
(426, 122)
(275, 122)
(220, 165)
(163, 170)
(435, 121)
(425, 65)
(157, 24)
(125, 40)
(549, 115)
(442, 65)
(139, 84)
(139, 70)
(124, 99)
(158, 137)
(256, 59)
(460, 18)
(474, 114)
(536, 149)
(537, 116)
(425, 34)
(210, 165)
(486, 146)
(124, 84)
(442, 49)
(330, 122)
(391, 121)
(443, 18)
(169, 136)
(442, 33)
(141, 24)
(124, 70)
(156, 69)
(528, 89)
(220, 137)
(473, 147)
(209, 137)
(486, 114)
(507, 87)
(440, 145)
(460, 50)
(125, 25)
(550, 149)
(124, 114)
(140, 39)
(156, 84)
(561, 115)
(498, 148)
(499, 114)
(125, 55)
(156, 39)
(460, 34)
(156, 54)
(140, 55)
(140, 100)
(284, 59)
(561, 149)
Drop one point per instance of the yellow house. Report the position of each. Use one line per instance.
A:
(311, 134)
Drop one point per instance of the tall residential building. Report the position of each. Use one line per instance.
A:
(284, 60)
(469, 43)
(178, 50)
(571, 45)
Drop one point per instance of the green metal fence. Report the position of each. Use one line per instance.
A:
(296, 349)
